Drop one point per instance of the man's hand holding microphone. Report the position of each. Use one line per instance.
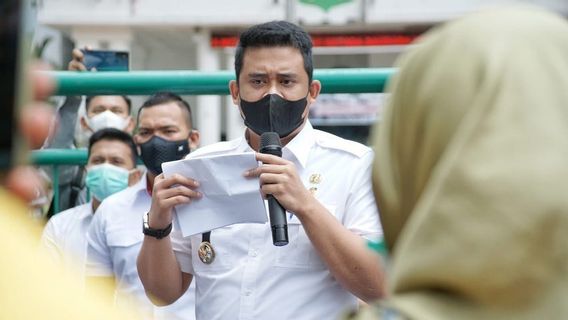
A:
(280, 185)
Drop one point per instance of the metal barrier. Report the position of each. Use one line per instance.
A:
(56, 158)
(199, 83)
(180, 82)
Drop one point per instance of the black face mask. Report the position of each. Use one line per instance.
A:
(273, 113)
(157, 150)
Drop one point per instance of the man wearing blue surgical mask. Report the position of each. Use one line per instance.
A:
(112, 157)
(164, 133)
(99, 112)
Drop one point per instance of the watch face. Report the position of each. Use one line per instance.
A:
(156, 233)
(145, 220)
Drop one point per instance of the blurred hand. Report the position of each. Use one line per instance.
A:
(78, 60)
(35, 120)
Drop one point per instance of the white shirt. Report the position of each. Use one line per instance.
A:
(65, 236)
(114, 241)
(250, 278)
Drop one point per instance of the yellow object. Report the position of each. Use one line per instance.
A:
(30, 286)
(471, 170)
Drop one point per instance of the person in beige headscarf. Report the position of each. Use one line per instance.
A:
(471, 170)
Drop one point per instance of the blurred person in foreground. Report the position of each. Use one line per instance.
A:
(30, 286)
(112, 156)
(323, 182)
(470, 174)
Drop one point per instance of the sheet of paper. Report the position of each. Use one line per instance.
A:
(228, 197)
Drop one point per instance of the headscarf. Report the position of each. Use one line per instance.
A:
(471, 170)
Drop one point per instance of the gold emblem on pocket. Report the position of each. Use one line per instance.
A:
(315, 178)
(206, 252)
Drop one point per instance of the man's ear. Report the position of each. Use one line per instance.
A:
(130, 127)
(84, 124)
(136, 139)
(193, 139)
(234, 88)
(134, 176)
(315, 89)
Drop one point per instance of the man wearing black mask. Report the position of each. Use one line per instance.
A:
(321, 180)
(164, 134)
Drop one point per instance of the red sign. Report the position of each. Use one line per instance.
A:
(333, 40)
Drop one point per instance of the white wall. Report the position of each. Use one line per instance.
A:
(242, 13)
(160, 12)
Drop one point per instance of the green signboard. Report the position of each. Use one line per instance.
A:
(325, 4)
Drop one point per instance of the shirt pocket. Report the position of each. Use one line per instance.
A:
(123, 238)
(222, 242)
(124, 246)
(299, 252)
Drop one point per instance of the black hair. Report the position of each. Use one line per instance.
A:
(275, 34)
(166, 97)
(112, 134)
(128, 102)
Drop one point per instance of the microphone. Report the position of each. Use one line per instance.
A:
(270, 144)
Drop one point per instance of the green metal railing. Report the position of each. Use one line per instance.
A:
(181, 82)
(56, 158)
(200, 83)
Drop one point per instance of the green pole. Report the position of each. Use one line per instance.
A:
(55, 189)
(357, 80)
(59, 156)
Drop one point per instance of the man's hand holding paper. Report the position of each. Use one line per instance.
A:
(166, 194)
(215, 190)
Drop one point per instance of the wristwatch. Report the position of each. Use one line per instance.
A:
(156, 233)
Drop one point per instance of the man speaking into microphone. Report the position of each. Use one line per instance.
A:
(321, 181)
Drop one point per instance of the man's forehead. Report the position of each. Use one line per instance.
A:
(274, 56)
(108, 144)
(108, 100)
(169, 113)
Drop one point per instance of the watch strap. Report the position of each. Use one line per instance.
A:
(156, 233)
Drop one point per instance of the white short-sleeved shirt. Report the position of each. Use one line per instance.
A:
(114, 240)
(250, 278)
(65, 236)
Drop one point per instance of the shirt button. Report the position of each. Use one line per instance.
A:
(253, 253)
(248, 293)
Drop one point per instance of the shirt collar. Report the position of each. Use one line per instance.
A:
(301, 145)
(141, 184)
(243, 145)
(298, 148)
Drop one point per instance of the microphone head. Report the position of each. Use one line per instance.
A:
(270, 143)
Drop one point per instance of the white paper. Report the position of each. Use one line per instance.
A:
(228, 197)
